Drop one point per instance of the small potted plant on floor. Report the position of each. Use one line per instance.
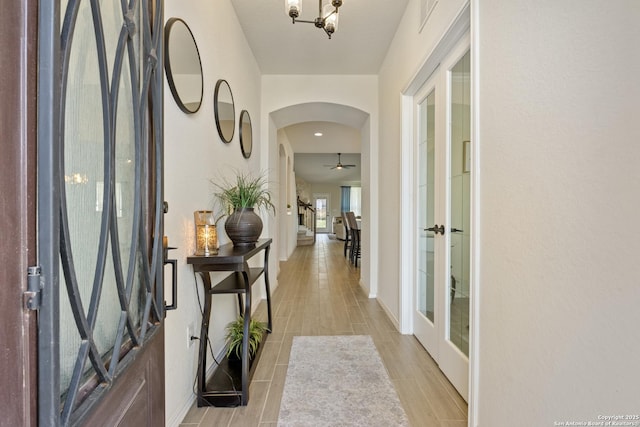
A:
(242, 195)
(235, 334)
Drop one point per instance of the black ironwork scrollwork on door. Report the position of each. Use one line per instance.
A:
(101, 148)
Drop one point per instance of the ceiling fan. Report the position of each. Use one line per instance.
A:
(339, 165)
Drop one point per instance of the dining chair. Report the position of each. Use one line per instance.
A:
(347, 234)
(354, 253)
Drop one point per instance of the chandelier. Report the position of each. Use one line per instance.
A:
(327, 15)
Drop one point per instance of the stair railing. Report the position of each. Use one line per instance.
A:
(307, 217)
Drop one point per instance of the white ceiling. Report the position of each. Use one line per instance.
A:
(312, 152)
(336, 138)
(316, 168)
(365, 30)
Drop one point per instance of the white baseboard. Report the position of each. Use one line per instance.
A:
(366, 289)
(390, 315)
(177, 417)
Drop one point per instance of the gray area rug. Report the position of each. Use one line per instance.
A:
(338, 381)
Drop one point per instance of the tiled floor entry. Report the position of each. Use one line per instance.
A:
(319, 294)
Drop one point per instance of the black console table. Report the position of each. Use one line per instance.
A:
(229, 385)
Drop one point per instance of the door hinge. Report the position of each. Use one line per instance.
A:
(31, 297)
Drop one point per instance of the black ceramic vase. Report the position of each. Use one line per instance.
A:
(243, 227)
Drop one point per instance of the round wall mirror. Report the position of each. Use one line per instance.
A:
(224, 110)
(182, 65)
(246, 134)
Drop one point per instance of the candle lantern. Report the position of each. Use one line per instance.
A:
(206, 233)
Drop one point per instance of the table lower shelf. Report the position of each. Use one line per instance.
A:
(224, 387)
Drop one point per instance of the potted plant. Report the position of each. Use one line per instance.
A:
(244, 194)
(235, 334)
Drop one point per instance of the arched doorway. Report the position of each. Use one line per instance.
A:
(348, 116)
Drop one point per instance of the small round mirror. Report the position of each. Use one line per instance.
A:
(224, 110)
(182, 65)
(246, 134)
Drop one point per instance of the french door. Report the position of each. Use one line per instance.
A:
(100, 213)
(323, 219)
(443, 176)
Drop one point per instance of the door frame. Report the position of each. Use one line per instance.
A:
(452, 362)
(465, 23)
(18, 36)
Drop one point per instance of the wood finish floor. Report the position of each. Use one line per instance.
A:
(319, 294)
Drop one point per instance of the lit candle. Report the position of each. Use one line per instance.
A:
(206, 233)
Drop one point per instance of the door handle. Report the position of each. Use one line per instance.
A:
(174, 284)
(456, 230)
(174, 275)
(436, 229)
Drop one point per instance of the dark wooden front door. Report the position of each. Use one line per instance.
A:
(100, 213)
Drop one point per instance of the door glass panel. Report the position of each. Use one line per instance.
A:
(459, 181)
(106, 167)
(426, 218)
(125, 186)
(83, 179)
(321, 213)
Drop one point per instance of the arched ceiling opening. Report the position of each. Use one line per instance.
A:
(319, 112)
(316, 155)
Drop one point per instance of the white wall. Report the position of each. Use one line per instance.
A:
(370, 207)
(356, 91)
(407, 52)
(288, 223)
(559, 153)
(303, 190)
(194, 154)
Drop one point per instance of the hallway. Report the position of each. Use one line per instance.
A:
(319, 294)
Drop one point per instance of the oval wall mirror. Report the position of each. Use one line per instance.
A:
(182, 65)
(224, 110)
(246, 134)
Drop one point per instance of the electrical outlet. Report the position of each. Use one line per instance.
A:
(190, 333)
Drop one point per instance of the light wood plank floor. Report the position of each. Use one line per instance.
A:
(319, 294)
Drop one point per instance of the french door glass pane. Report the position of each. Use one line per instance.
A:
(321, 213)
(460, 168)
(426, 219)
